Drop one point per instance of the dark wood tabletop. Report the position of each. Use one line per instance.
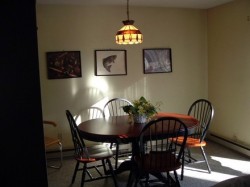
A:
(120, 127)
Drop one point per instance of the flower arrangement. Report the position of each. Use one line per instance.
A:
(141, 107)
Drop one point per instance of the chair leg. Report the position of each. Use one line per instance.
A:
(177, 182)
(104, 166)
(112, 173)
(61, 158)
(136, 182)
(189, 155)
(61, 154)
(134, 176)
(190, 160)
(182, 166)
(130, 179)
(75, 171)
(205, 157)
(147, 181)
(83, 174)
(116, 155)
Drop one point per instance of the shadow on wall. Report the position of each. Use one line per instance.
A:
(86, 98)
(87, 114)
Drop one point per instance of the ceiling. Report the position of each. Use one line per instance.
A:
(200, 4)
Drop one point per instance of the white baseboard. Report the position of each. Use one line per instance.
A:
(56, 154)
(230, 144)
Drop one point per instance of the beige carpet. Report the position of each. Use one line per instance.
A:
(225, 164)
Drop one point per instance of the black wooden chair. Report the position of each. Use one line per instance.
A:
(159, 154)
(114, 108)
(203, 111)
(97, 155)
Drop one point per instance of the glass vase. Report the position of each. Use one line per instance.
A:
(140, 118)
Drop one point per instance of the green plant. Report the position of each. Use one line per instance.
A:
(141, 107)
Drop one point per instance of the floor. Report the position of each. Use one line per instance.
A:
(225, 164)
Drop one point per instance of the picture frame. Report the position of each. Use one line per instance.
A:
(157, 60)
(110, 62)
(64, 64)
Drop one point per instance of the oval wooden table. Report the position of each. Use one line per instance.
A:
(121, 128)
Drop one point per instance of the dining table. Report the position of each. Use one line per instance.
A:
(121, 128)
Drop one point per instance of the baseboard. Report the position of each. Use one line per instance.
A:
(229, 144)
(56, 154)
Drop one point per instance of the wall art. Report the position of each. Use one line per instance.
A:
(64, 64)
(110, 62)
(157, 60)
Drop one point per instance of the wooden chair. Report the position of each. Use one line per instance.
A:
(89, 155)
(51, 141)
(203, 111)
(159, 153)
(114, 108)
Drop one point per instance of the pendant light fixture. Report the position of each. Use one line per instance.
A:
(128, 34)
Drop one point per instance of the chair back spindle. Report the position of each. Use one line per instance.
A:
(114, 107)
(203, 111)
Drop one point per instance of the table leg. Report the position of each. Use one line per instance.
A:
(124, 166)
(160, 177)
(128, 164)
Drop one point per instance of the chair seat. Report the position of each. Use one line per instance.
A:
(96, 152)
(158, 162)
(50, 141)
(192, 142)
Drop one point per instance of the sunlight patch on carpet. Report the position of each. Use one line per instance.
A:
(239, 165)
(204, 175)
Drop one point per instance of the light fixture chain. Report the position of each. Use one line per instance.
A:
(128, 9)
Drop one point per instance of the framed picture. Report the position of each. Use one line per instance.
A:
(110, 62)
(64, 64)
(157, 60)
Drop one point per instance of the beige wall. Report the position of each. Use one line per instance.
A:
(89, 28)
(229, 70)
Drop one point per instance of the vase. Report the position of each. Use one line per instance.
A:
(140, 118)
